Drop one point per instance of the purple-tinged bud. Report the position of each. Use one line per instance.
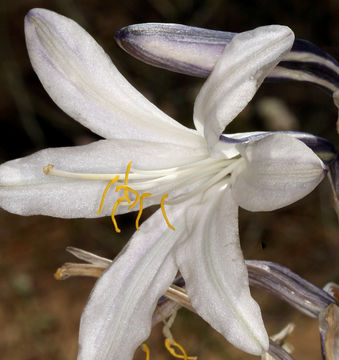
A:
(289, 287)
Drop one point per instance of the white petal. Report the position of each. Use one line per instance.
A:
(118, 316)
(26, 190)
(241, 69)
(279, 171)
(215, 273)
(82, 80)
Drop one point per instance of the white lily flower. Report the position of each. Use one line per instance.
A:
(206, 179)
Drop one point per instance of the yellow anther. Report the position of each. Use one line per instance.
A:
(146, 349)
(136, 199)
(113, 213)
(58, 274)
(124, 198)
(105, 192)
(164, 212)
(121, 199)
(127, 188)
(169, 344)
(140, 209)
(126, 181)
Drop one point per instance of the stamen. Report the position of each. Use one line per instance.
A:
(166, 330)
(207, 172)
(169, 343)
(164, 212)
(105, 192)
(125, 197)
(211, 181)
(146, 349)
(75, 269)
(122, 198)
(169, 340)
(140, 209)
(161, 172)
(185, 175)
(58, 275)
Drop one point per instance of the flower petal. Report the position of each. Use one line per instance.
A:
(215, 274)
(279, 171)
(118, 316)
(26, 190)
(241, 69)
(82, 80)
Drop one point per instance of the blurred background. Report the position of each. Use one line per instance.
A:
(39, 316)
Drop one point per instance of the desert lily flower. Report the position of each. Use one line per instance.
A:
(202, 178)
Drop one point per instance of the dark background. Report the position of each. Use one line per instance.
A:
(39, 316)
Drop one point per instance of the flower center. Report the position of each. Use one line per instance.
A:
(184, 182)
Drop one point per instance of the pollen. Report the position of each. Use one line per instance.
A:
(125, 199)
